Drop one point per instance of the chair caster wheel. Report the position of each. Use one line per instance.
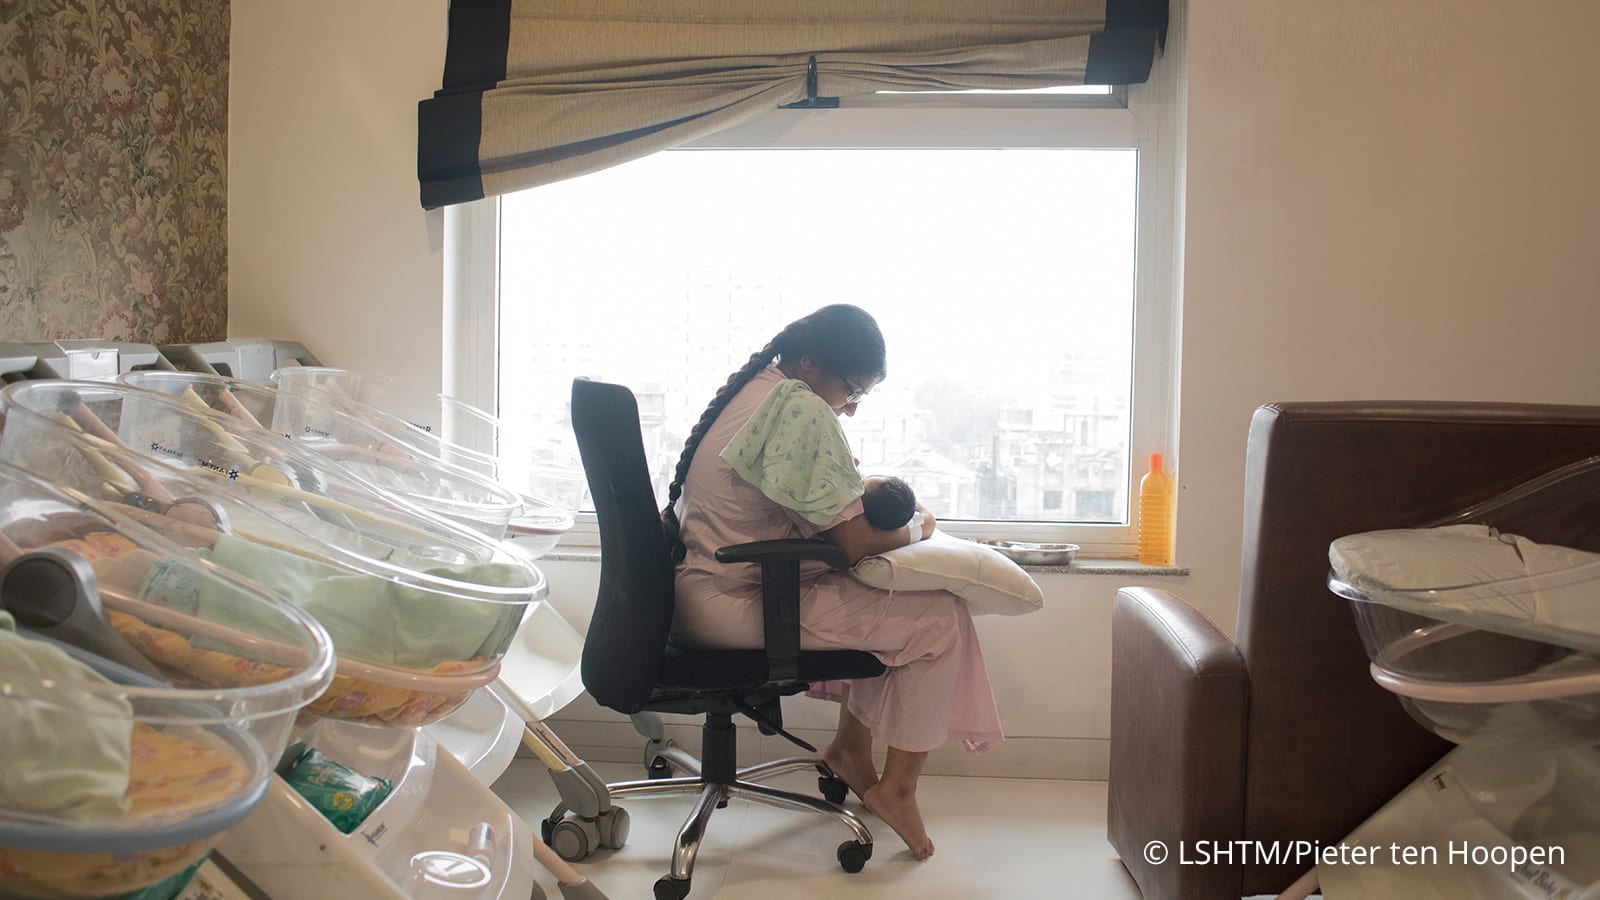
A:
(573, 840)
(614, 828)
(833, 789)
(853, 856)
(669, 888)
(655, 761)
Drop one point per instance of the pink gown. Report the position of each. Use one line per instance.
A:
(936, 687)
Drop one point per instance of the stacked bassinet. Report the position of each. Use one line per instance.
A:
(420, 611)
(361, 450)
(121, 760)
(545, 473)
(1487, 629)
(391, 557)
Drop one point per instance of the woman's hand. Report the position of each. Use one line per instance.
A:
(929, 523)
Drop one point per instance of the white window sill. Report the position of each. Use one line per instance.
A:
(1078, 567)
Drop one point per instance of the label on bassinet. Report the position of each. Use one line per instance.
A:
(160, 449)
(1542, 882)
(1488, 849)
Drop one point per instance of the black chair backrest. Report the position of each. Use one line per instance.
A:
(627, 636)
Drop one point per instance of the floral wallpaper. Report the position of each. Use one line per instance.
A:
(113, 170)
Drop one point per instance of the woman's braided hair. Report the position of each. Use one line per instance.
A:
(841, 339)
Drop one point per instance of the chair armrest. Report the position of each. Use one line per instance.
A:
(1179, 706)
(780, 594)
(785, 550)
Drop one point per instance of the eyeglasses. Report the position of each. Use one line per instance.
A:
(853, 394)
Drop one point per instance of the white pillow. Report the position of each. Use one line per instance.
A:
(990, 583)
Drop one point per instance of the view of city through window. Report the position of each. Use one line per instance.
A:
(1003, 281)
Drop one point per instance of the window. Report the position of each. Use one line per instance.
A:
(1011, 248)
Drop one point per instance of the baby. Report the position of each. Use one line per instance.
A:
(888, 502)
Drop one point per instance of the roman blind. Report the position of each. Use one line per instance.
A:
(535, 91)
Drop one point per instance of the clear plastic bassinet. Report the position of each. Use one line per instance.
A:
(543, 471)
(361, 449)
(248, 401)
(121, 760)
(1504, 647)
(420, 609)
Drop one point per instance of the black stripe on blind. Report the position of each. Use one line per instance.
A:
(1126, 14)
(1121, 57)
(450, 124)
(448, 129)
(1124, 52)
(475, 54)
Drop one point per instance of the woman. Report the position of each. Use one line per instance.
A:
(936, 687)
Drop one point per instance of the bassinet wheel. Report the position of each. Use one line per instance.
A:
(571, 840)
(669, 888)
(853, 856)
(833, 788)
(614, 828)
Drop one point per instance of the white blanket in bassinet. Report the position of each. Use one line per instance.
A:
(1479, 576)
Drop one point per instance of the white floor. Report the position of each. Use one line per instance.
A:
(996, 838)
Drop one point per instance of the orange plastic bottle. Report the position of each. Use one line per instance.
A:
(1155, 515)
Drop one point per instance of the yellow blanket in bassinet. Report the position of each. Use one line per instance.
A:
(169, 774)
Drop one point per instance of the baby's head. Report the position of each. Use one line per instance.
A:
(888, 502)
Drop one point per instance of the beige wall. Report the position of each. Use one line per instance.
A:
(1384, 199)
(328, 244)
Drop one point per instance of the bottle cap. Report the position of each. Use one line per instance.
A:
(1155, 462)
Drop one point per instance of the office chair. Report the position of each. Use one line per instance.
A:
(629, 664)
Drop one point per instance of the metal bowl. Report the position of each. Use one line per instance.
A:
(1036, 554)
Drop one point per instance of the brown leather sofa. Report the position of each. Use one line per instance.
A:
(1282, 735)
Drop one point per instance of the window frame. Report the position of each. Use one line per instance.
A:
(1141, 117)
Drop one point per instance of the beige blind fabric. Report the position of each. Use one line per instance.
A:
(587, 84)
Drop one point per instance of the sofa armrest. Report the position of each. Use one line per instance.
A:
(1179, 703)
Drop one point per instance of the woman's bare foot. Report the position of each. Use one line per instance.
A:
(855, 767)
(898, 809)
